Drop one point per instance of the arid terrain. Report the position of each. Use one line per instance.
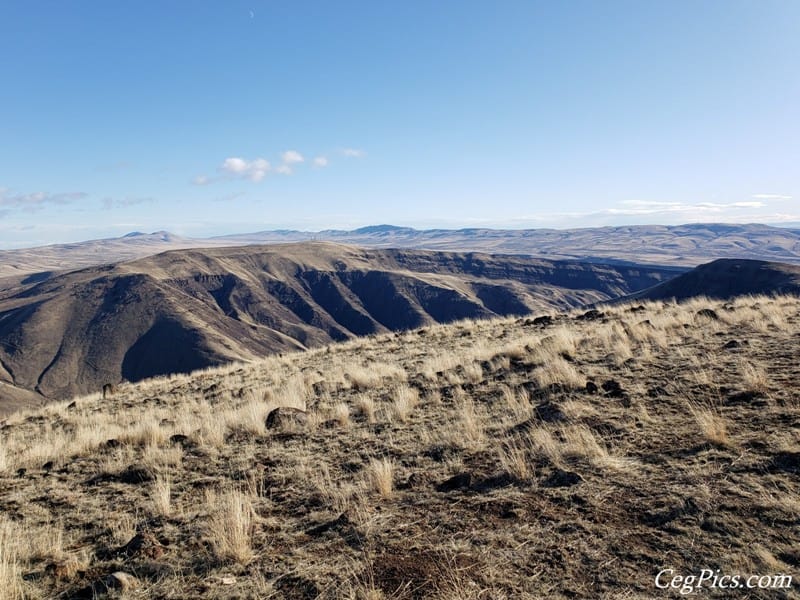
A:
(572, 455)
(182, 310)
(680, 245)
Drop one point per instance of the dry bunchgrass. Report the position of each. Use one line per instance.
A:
(230, 525)
(755, 377)
(366, 408)
(713, 425)
(380, 477)
(405, 399)
(161, 495)
(10, 572)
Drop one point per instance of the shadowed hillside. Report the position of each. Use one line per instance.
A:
(184, 310)
(727, 278)
(571, 456)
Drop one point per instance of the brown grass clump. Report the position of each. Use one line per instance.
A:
(380, 474)
(230, 525)
(405, 400)
(10, 575)
(712, 425)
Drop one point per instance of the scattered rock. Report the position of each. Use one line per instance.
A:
(561, 478)
(591, 387)
(48, 466)
(112, 443)
(136, 474)
(544, 320)
(731, 344)
(748, 397)
(636, 309)
(708, 313)
(121, 581)
(21, 472)
(179, 438)
(613, 389)
(788, 462)
(549, 412)
(286, 416)
(457, 482)
(591, 315)
(72, 405)
(143, 544)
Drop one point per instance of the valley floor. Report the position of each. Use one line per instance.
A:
(575, 456)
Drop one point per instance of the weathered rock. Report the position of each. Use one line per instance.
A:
(143, 544)
(561, 478)
(708, 313)
(286, 416)
(591, 315)
(136, 474)
(613, 389)
(457, 482)
(543, 320)
(591, 387)
(122, 581)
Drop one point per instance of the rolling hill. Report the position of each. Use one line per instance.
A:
(682, 245)
(727, 278)
(189, 309)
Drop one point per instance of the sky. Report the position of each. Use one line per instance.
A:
(206, 118)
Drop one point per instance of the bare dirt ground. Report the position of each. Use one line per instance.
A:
(570, 457)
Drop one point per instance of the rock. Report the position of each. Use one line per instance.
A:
(112, 443)
(121, 581)
(549, 412)
(613, 389)
(48, 466)
(544, 320)
(21, 472)
(143, 544)
(591, 315)
(561, 478)
(635, 309)
(228, 580)
(708, 314)
(72, 405)
(591, 387)
(136, 474)
(457, 482)
(284, 416)
(179, 438)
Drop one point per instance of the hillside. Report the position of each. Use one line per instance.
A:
(188, 309)
(575, 456)
(727, 278)
(680, 245)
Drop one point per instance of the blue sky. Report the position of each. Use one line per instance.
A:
(205, 118)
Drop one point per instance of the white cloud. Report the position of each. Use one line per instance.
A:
(283, 169)
(36, 200)
(254, 170)
(772, 197)
(109, 203)
(320, 162)
(201, 180)
(291, 157)
(352, 153)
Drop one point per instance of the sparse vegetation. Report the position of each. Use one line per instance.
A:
(409, 459)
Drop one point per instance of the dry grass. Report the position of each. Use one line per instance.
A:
(405, 399)
(712, 425)
(230, 525)
(560, 478)
(380, 476)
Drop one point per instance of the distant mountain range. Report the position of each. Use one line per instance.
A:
(682, 245)
(183, 310)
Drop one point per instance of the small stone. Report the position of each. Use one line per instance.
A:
(284, 416)
(121, 581)
(457, 482)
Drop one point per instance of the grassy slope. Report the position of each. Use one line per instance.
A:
(570, 494)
